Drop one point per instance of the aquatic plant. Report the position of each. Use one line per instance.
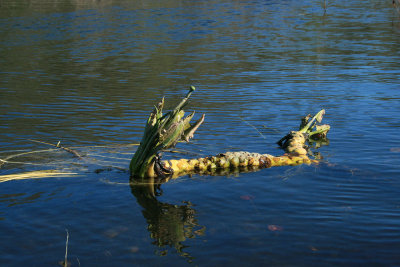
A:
(165, 131)
(162, 132)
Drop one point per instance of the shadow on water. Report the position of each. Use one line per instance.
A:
(169, 225)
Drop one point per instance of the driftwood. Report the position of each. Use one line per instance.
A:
(165, 131)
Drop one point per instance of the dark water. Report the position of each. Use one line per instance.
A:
(88, 73)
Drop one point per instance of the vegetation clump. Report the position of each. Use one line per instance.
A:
(165, 131)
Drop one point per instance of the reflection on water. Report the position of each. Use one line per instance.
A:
(19, 199)
(169, 225)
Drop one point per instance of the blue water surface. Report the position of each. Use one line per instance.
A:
(88, 73)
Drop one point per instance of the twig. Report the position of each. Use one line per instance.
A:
(76, 154)
(26, 163)
(271, 128)
(6, 159)
(107, 146)
(2, 161)
(254, 127)
(66, 250)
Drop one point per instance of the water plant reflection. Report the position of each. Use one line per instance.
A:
(169, 225)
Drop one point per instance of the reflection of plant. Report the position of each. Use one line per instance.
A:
(169, 225)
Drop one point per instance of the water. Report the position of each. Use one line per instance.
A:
(88, 74)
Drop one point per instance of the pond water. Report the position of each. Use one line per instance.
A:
(87, 74)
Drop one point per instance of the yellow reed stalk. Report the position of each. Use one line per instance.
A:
(36, 175)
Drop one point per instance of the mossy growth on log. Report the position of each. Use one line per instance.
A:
(165, 131)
